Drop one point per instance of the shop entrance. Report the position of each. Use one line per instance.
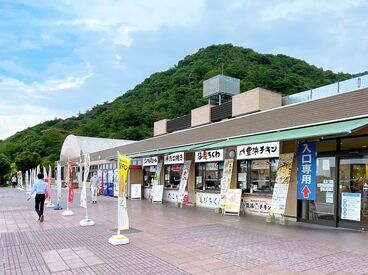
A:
(323, 209)
(353, 193)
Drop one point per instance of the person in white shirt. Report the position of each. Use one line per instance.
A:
(94, 187)
(14, 181)
(40, 188)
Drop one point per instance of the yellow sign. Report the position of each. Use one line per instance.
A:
(123, 166)
(233, 201)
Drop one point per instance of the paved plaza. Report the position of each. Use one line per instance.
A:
(168, 240)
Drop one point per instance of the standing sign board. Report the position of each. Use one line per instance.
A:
(136, 191)
(233, 201)
(225, 181)
(258, 151)
(281, 187)
(175, 158)
(350, 206)
(307, 171)
(184, 180)
(209, 156)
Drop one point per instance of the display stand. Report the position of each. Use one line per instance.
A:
(58, 207)
(136, 192)
(233, 202)
(118, 239)
(49, 204)
(67, 212)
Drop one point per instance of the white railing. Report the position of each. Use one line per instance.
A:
(328, 90)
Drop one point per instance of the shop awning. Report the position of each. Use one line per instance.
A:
(170, 150)
(324, 130)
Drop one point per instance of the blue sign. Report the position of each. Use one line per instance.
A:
(307, 167)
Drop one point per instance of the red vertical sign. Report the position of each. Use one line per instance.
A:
(70, 182)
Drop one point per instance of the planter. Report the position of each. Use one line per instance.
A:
(270, 218)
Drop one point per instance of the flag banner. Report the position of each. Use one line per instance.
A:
(44, 173)
(83, 197)
(184, 180)
(58, 180)
(48, 194)
(225, 181)
(19, 178)
(123, 167)
(70, 182)
(27, 181)
(101, 182)
(281, 188)
(37, 170)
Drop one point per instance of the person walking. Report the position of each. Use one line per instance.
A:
(94, 187)
(14, 181)
(40, 188)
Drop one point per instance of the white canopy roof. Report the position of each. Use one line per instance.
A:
(75, 146)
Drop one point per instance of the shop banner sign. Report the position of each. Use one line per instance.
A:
(209, 156)
(350, 206)
(256, 151)
(184, 180)
(281, 188)
(157, 177)
(207, 200)
(225, 181)
(233, 201)
(151, 161)
(307, 171)
(123, 168)
(175, 158)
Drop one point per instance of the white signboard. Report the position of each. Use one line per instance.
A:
(209, 156)
(207, 200)
(172, 195)
(151, 161)
(116, 182)
(136, 191)
(256, 151)
(259, 206)
(225, 181)
(280, 192)
(157, 193)
(350, 206)
(175, 158)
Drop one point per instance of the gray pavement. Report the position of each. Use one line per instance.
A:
(168, 240)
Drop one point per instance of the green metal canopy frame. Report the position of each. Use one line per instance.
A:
(323, 130)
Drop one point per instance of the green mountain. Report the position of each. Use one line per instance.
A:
(170, 94)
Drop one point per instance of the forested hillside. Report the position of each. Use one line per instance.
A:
(170, 94)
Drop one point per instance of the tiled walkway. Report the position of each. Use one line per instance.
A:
(168, 240)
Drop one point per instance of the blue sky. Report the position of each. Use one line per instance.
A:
(58, 58)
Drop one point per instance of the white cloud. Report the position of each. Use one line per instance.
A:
(291, 10)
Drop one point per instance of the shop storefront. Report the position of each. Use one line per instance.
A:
(341, 184)
(256, 175)
(149, 169)
(209, 167)
(173, 166)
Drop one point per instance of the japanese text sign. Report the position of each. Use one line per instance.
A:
(307, 171)
(256, 151)
(151, 161)
(208, 156)
(174, 158)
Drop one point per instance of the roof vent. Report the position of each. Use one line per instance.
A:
(220, 88)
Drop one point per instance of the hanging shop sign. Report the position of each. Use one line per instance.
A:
(209, 156)
(350, 206)
(307, 171)
(256, 151)
(280, 190)
(151, 161)
(175, 158)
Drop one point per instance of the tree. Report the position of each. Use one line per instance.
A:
(27, 160)
(4, 167)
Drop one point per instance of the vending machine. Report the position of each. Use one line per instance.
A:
(110, 182)
(105, 183)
